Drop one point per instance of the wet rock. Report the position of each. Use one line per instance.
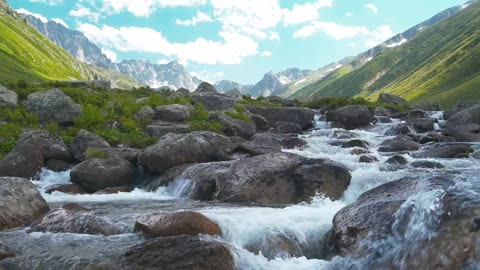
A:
(67, 188)
(446, 151)
(343, 135)
(165, 224)
(391, 99)
(173, 113)
(476, 154)
(400, 129)
(234, 127)
(261, 143)
(359, 151)
(8, 98)
(351, 117)
(75, 220)
(52, 146)
(129, 154)
(165, 178)
(84, 140)
(470, 127)
(426, 106)
(414, 114)
(24, 161)
(293, 142)
(145, 113)
(275, 178)
(20, 203)
(57, 165)
(422, 125)
(159, 129)
(179, 252)
(287, 128)
(381, 111)
(427, 164)
(465, 136)
(398, 146)
(235, 94)
(367, 159)
(431, 137)
(260, 122)
(467, 116)
(97, 174)
(115, 190)
(397, 160)
(5, 252)
(53, 105)
(214, 102)
(355, 222)
(300, 116)
(205, 88)
(356, 143)
(177, 149)
(383, 119)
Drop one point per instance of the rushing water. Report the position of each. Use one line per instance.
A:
(253, 233)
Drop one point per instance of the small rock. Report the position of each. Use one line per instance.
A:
(67, 188)
(401, 129)
(356, 143)
(8, 97)
(427, 164)
(413, 114)
(287, 128)
(173, 113)
(397, 160)
(391, 99)
(367, 159)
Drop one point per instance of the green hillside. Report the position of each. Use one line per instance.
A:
(117, 79)
(310, 90)
(441, 64)
(26, 54)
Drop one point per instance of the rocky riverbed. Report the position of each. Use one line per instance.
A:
(350, 189)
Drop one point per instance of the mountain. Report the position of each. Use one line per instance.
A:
(225, 85)
(273, 82)
(27, 54)
(172, 75)
(441, 64)
(72, 41)
(314, 83)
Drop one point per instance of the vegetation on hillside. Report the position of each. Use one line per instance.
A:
(331, 103)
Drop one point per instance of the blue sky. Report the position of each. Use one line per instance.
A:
(239, 40)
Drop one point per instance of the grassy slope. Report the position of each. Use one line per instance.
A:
(26, 54)
(310, 90)
(118, 80)
(442, 64)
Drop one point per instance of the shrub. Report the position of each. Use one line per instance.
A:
(200, 121)
(240, 114)
(95, 153)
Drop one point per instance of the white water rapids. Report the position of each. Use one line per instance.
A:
(261, 228)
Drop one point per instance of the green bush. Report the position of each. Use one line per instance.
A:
(95, 153)
(240, 114)
(200, 120)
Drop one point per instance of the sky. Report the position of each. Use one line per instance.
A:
(238, 40)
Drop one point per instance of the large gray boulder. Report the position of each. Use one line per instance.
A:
(180, 93)
(178, 253)
(173, 113)
(97, 174)
(84, 140)
(445, 151)
(53, 105)
(177, 149)
(391, 99)
(159, 128)
(20, 203)
(301, 116)
(351, 117)
(235, 94)
(467, 116)
(214, 102)
(275, 178)
(234, 127)
(53, 147)
(205, 89)
(24, 161)
(7, 97)
(145, 113)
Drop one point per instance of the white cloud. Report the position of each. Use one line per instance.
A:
(36, 15)
(199, 18)
(372, 7)
(231, 50)
(60, 21)
(305, 13)
(163, 61)
(349, 14)
(82, 11)
(274, 36)
(332, 29)
(143, 8)
(109, 54)
(266, 53)
(48, 2)
(378, 36)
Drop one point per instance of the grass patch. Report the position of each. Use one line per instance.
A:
(240, 114)
(199, 120)
(95, 153)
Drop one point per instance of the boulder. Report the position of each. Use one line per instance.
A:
(165, 224)
(422, 125)
(427, 164)
(52, 146)
(381, 111)
(300, 116)
(130, 154)
(464, 117)
(8, 98)
(145, 113)
(173, 113)
(426, 106)
(398, 145)
(293, 142)
(234, 127)
(465, 136)
(214, 102)
(260, 122)
(356, 143)
(24, 161)
(75, 219)
(413, 114)
(67, 188)
(205, 89)
(177, 149)
(397, 160)
(275, 178)
(261, 143)
(57, 165)
(391, 99)
(400, 129)
(97, 174)
(179, 252)
(84, 140)
(181, 93)
(287, 128)
(383, 119)
(351, 117)
(367, 159)
(446, 151)
(53, 105)
(20, 203)
(163, 180)
(355, 222)
(235, 94)
(159, 129)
